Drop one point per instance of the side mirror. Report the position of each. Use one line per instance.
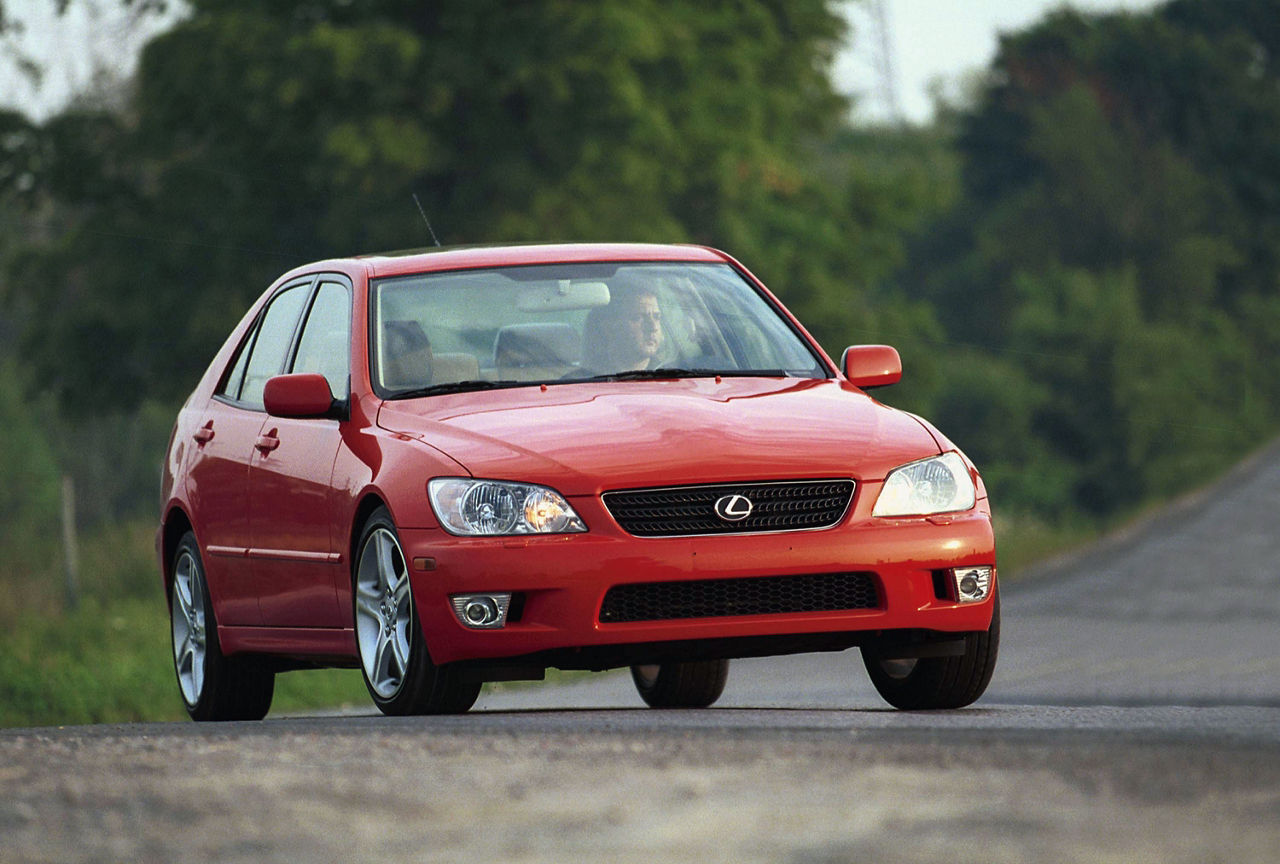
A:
(305, 394)
(868, 366)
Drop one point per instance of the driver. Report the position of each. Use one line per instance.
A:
(639, 333)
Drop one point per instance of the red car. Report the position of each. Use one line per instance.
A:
(471, 465)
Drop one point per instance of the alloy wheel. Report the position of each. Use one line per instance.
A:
(384, 612)
(190, 639)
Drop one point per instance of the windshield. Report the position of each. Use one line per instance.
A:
(543, 324)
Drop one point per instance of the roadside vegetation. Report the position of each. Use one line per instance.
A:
(1078, 260)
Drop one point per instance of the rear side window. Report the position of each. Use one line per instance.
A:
(267, 347)
(235, 379)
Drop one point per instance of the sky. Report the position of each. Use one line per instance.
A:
(931, 41)
(939, 41)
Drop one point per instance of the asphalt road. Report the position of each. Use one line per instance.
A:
(1134, 716)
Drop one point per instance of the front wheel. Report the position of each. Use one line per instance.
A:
(691, 684)
(393, 652)
(213, 687)
(937, 682)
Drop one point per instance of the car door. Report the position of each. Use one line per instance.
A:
(218, 478)
(297, 552)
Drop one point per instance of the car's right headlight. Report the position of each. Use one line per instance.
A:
(471, 507)
(939, 484)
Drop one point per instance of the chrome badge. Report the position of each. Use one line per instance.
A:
(733, 508)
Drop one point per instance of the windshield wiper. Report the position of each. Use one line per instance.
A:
(644, 374)
(675, 372)
(456, 387)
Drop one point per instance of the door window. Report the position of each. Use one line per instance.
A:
(325, 346)
(270, 347)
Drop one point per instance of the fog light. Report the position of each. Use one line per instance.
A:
(481, 611)
(972, 583)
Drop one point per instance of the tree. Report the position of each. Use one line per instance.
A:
(1116, 239)
(262, 136)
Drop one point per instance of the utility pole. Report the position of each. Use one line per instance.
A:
(70, 555)
(882, 59)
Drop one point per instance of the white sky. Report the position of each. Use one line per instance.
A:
(96, 38)
(931, 40)
(938, 40)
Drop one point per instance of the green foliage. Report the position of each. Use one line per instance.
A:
(262, 136)
(109, 662)
(1080, 269)
(1114, 255)
(102, 663)
(29, 492)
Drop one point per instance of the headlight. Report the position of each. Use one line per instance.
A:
(940, 484)
(494, 507)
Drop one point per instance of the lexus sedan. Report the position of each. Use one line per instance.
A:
(472, 465)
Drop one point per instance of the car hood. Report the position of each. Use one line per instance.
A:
(586, 438)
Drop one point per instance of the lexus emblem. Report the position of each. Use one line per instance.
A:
(733, 508)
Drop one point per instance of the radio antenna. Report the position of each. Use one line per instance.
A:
(430, 230)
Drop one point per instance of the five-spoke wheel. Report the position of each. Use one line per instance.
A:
(189, 635)
(384, 612)
(398, 671)
(213, 687)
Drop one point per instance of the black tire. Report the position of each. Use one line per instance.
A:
(405, 682)
(690, 684)
(212, 686)
(937, 682)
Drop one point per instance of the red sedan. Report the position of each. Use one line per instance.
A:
(471, 465)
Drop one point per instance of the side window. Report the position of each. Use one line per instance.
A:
(325, 346)
(275, 333)
(235, 378)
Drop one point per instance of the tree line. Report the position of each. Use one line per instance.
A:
(1078, 262)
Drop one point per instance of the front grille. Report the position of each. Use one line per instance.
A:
(757, 595)
(679, 511)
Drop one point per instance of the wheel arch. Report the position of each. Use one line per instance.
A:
(370, 502)
(176, 524)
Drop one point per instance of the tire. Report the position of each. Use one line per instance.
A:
(213, 687)
(397, 669)
(691, 684)
(931, 683)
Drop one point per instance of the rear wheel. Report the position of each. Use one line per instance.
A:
(936, 682)
(690, 684)
(213, 687)
(393, 652)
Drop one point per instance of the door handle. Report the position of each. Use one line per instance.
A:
(267, 443)
(204, 434)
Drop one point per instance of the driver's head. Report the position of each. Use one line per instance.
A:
(639, 336)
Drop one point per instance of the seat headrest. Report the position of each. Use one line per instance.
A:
(541, 344)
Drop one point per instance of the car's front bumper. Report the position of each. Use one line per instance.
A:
(563, 581)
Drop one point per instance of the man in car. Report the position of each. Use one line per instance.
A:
(642, 335)
(627, 334)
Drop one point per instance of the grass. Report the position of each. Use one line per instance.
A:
(108, 661)
(100, 663)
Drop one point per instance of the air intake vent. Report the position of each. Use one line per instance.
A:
(730, 508)
(758, 595)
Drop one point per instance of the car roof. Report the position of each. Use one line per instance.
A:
(461, 258)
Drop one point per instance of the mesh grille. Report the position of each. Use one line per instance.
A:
(684, 510)
(759, 595)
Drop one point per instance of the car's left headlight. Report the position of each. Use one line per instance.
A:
(496, 507)
(939, 484)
